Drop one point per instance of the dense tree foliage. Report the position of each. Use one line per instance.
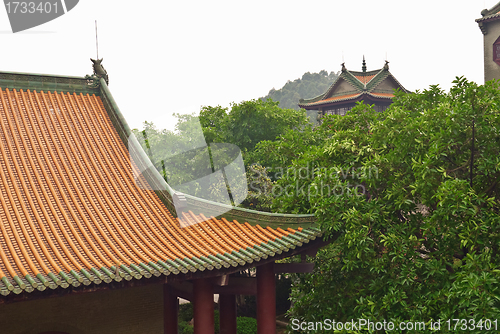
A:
(195, 149)
(245, 125)
(249, 122)
(412, 197)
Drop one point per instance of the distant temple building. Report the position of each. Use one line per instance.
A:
(373, 87)
(490, 27)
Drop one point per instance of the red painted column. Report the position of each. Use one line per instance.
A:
(203, 306)
(170, 310)
(266, 299)
(227, 314)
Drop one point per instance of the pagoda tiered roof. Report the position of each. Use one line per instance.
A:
(72, 214)
(352, 86)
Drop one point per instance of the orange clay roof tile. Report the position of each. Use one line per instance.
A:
(383, 94)
(365, 78)
(335, 98)
(72, 213)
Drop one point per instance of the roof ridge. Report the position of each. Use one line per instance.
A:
(49, 82)
(321, 96)
(311, 100)
(70, 125)
(42, 75)
(353, 80)
(389, 74)
(493, 10)
(489, 14)
(365, 74)
(381, 75)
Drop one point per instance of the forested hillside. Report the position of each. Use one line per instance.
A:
(309, 86)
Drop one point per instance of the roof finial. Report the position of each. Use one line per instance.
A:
(364, 64)
(99, 70)
(343, 67)
(386, 66)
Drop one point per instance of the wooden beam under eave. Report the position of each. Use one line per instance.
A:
(221, 280)
(238, 286)
(183, 289)
(235, 286)
(281, 268)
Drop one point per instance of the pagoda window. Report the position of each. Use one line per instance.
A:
(496, 51)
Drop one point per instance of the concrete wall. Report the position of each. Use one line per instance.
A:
(491, 69)
(137, 310)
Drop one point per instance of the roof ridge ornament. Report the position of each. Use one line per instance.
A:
(364, 65)
(99, 70)
(93, 81)
(386, 66)
(343, 67)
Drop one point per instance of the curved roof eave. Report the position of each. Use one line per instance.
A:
(82, 220)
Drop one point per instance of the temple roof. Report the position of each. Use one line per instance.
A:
(488, 15)
(356, 86)
(71, 213)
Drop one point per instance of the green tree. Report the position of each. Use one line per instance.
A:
(276, 155)
(213, 121)
(412, 197)
(194, 149)
(260, 187)
(180, 156)
(250, 122)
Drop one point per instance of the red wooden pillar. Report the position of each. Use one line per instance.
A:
(170, 310)
(203, 306)
(227, 314)
(266, 299)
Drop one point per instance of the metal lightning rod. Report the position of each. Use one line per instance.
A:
(96, 42)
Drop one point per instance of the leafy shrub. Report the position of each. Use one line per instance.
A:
(246, 325)
(216, 321)
(185, 327)
(186, 312)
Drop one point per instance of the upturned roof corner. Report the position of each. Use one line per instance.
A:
(82, 218)
(488, 15)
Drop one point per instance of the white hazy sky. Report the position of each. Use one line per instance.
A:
(166, 57)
